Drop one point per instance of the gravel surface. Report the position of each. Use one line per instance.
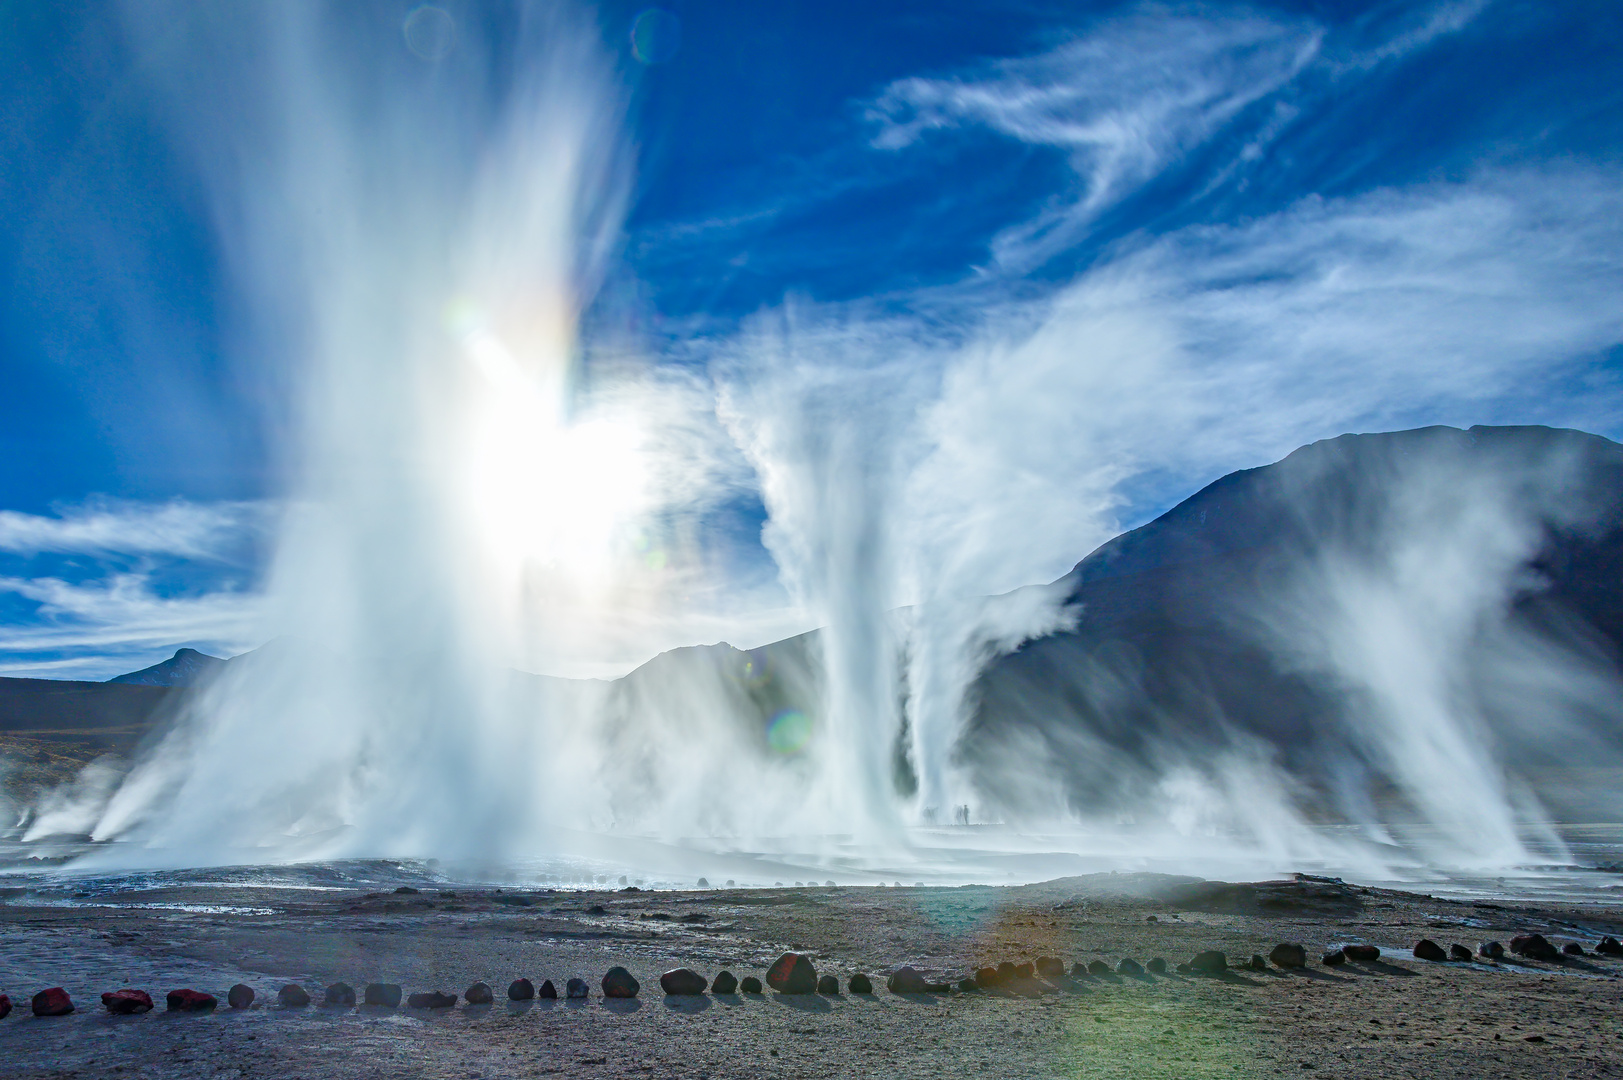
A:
(1395, 1017)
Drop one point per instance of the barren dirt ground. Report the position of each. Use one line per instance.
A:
(1397, 1017)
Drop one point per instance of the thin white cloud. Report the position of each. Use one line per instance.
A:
(120, 615)
(1400, 29)
(179, 528)
(1124, 100)
(1133, 96)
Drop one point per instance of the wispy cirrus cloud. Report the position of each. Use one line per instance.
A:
(179, 528)
(1124, 101)
(1133, 97)
(105, 627)
(107, 586)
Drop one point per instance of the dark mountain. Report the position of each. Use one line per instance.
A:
(1321, 611)
(186, 668)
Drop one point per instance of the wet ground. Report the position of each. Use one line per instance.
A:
(1399, 1016)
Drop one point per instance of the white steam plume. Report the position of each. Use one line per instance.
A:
(417, 223)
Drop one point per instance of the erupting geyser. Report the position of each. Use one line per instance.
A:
(484, 479)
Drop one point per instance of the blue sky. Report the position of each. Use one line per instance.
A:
(1342, 216)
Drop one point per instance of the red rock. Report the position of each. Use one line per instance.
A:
(682, 982)
(52, 1002)
(431, 999)
(190, 1001)
(906, 980)
(127, 1002)
(293, 995)
(620, 983)
(1427, 949)
(792, 973)
(386, 995)
(5, 1006)
(1535, 947)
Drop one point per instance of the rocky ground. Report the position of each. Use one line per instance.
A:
(1395, 1017)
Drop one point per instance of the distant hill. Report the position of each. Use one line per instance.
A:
(185, 668)
(1229, 621)
(1243, 614)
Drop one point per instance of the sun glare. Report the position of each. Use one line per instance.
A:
(553, 494)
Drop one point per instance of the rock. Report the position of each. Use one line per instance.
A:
(1288, 954)
(127, 1002)
(1050, 967)
(339, 994)
(406, 890)
(240, 996)
(478, 994)
(1491, 949)
(987, 977)
(618, 983)
(1258, 963)
(1007, 972)
(293, 996)
(385, 994)
(1427, 949)
(792, 973)
(521, 990)
(724, 983)
(678, 981)
(1459, 952)
(431, 999)
(1129, 966)
(1362, 954)
(703, 883)
(1025, 971)
(547, 991)
(1156, 966)
(749, 984)
(1572, 948)
(1535, 947)
(1331, 959)
(1184, 969)
(5, 1006)
(969, 986)
(828, 984)
(1609, 946)
(52, 1002)
(905, 980)
(1098, 967)
(190, 1001)
(575, 988)
(1210, 962)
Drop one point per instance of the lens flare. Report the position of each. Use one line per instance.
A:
(656, 35)
(788, 731)
(430, 31)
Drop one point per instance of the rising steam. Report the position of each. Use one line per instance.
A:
(418, 209)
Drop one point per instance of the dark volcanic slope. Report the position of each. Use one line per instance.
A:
(1242, 613)
(118, 714)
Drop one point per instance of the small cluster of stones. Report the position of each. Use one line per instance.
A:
(794, 973)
